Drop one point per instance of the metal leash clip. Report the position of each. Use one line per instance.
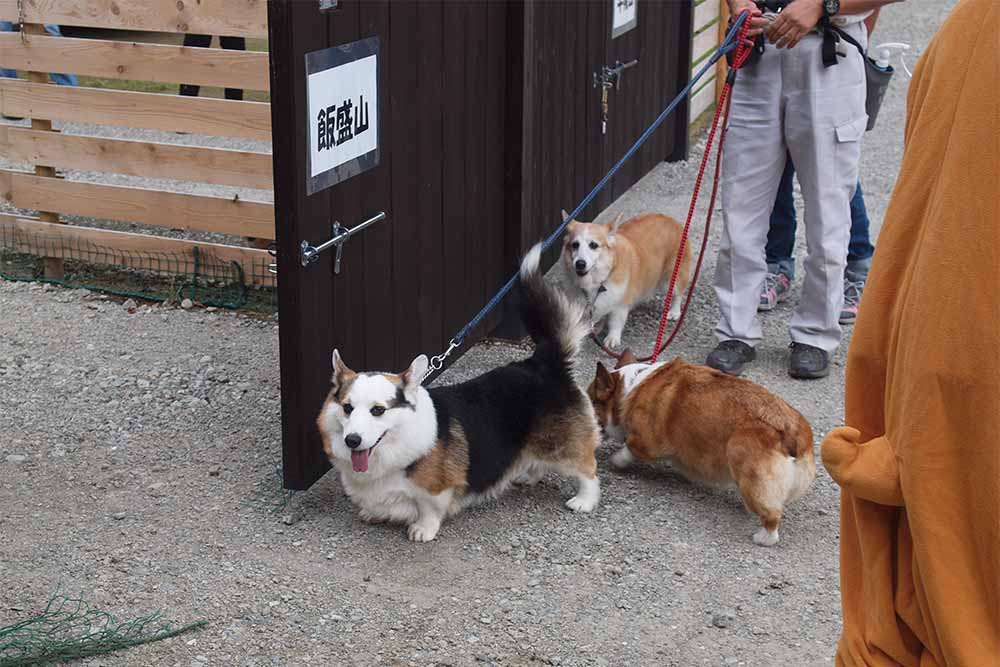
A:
(437, 361)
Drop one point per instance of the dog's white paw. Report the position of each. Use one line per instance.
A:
(373, 519)
(423, 531)
(675, 312)
(623, 458)
(612, 342)
(765, 538)
(579, 503)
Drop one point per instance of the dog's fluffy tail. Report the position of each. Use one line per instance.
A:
(555, 323)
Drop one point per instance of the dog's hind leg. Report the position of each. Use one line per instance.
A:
(584, 468)
(763, 476)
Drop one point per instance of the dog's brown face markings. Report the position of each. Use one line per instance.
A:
(606, 390)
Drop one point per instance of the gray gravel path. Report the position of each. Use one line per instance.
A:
(129, 442)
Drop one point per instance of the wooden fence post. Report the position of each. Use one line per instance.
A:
(52, 267)
(721, 67)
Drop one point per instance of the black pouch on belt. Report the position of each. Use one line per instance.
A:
(876, 78)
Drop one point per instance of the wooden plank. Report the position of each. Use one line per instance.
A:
(136, 61)
(474, 140)
(705, 12)
(682, 39)
(149, 207)
(353, 296)
(237, 18)
(198, 115)
(454, 175)
(496, 149)
(52, 267)
(304, 293)
(122, 249)
(137, 158)
(722, 68)
(702, 100)
(704, 42)
(433, 290)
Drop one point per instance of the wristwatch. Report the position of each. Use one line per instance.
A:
(830, 7)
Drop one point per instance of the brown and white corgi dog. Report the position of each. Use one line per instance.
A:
(714, 428)
(414, 455)
(618, 265)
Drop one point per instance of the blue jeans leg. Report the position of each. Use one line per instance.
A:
(860, 250)
(781, 230)
(7, 26)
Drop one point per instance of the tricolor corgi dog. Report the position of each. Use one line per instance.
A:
(413, 455)
(714, 428)
(619, 265)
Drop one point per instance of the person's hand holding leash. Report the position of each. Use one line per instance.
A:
(794, 23)
(757, 22)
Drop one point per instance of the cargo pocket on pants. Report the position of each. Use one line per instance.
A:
(848, 151)
(853, 130)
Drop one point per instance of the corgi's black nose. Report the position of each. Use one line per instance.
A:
(352, 440)
(580, 265)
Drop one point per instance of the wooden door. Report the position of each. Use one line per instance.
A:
(406, 284)
(566, 151)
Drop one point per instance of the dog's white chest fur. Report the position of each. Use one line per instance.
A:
(387, 497)
(603, 302)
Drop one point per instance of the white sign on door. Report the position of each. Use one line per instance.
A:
(623, 16)
(342, 95)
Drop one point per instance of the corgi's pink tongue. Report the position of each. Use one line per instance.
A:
(359, 459)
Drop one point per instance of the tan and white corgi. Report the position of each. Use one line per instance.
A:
(618, 265)
(413, 455)
(714, 428)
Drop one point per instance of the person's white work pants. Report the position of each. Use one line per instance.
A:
(789, 101)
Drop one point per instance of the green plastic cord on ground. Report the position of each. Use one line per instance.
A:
(69, 628)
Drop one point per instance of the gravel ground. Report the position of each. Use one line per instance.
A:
(130, 441)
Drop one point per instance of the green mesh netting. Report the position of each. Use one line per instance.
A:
(69, 628)
(270, 495)
(143, 274)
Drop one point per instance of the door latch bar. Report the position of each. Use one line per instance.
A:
(612, 76)
(340, 234)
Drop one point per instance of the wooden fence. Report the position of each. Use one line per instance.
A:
(47, 149)
(709, 26)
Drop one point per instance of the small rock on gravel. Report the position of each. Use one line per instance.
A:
(16, 458)
(187, 304)
(723, 619)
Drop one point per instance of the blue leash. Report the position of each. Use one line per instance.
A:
(728, 44)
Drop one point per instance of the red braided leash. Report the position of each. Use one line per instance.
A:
(743, 50)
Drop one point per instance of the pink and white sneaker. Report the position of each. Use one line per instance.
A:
(776, 289)
(853, 289)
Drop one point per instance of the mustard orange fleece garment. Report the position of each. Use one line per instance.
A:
(919, 462)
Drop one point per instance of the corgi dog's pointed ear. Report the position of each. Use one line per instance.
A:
(341, 372)
(604, 383)
(414, 375)
(614, 225)
(565, 215)
(628, 357)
